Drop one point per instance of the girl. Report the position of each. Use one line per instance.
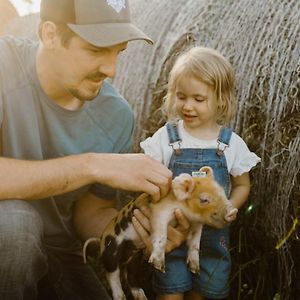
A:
(199, 102)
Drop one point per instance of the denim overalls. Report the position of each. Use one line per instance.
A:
(215, 263)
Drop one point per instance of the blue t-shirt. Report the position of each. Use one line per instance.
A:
(34, 127)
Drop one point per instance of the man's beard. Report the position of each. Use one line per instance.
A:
(88, 95)
(84, 96)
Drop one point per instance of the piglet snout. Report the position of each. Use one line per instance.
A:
(231, 214)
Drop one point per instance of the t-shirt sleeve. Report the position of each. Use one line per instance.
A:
(244, 159)
(154, 146)
(158, 146)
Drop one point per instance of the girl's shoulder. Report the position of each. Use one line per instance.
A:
(236, 139)
(237, 145)
(159, 136)
(240, 158)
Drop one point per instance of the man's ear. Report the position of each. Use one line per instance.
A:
(182, 186)
(48, 33)
(208, 170)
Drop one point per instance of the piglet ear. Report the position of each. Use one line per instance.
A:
(182, 186)
(208, 170)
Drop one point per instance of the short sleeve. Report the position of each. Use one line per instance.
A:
(150, 146)
(157, 146)
(244, 159)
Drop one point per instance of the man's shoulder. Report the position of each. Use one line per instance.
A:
(14, 49)
(9, 44)
(15, 58)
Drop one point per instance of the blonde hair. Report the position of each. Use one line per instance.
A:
(210, 67)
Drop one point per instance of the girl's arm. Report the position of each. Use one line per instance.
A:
(240, 189)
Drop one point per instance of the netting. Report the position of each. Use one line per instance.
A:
(262, 41)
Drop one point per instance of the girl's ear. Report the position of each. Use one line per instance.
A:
(182, 186)
(208, 170)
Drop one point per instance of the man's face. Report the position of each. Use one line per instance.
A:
(80, 67)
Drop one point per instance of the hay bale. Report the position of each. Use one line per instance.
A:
(261, 40)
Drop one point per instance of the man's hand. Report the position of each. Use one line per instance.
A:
(176, 235)
(133, 172)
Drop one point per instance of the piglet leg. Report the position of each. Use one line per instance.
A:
(159, 225)
(138, 294)
(193, 242)
(114, 281)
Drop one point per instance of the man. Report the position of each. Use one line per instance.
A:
(65, 132)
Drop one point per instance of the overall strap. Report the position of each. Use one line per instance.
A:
(174, 139)
(223, 140)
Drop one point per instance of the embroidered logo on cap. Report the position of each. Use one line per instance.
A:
(117, 5)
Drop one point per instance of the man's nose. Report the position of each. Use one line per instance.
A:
(109, 66)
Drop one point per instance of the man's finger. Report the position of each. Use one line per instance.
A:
(142, 232)
(183, 222)
(146, 211)
(142, 216)
(178, 234)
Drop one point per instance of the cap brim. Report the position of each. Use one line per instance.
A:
(109, 34)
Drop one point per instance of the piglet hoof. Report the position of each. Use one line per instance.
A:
(157, 262)
(119, 297)
(193, 266)
(193, 260)
(138, 294)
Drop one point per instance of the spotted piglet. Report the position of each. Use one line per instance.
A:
(201, 199)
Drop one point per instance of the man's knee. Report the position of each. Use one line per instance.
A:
(20, 224)
(22, 258)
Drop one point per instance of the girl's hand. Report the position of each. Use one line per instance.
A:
(176, 234)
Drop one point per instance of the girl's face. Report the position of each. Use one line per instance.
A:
(195, 104)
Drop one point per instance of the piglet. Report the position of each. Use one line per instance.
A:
(201, 199)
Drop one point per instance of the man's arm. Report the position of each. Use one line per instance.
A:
(30, 180)
(91, 215)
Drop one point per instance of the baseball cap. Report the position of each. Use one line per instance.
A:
(102, 23)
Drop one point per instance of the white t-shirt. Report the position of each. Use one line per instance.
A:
(238, 156)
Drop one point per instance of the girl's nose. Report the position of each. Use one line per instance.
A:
(187, 105)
